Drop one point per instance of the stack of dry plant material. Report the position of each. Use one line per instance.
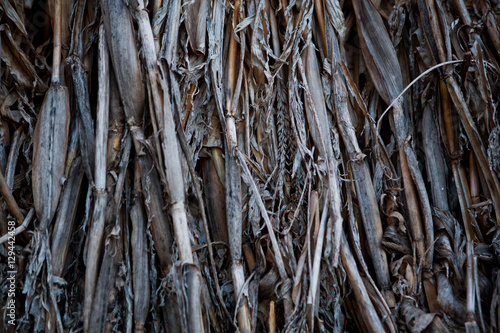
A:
(250, 165)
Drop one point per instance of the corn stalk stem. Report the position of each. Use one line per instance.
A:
(318, 251)
(364, 187)
(473, 135)
(196, 185)
(368, 313)
(458, 172)
(163, 112)
(102, 123)
(435, 39)
(359, 254)
(139, 257)
(233, 183)
(101, 197)
(56, 60)
(464, 200)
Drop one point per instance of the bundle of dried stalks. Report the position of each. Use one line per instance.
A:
(250, 165)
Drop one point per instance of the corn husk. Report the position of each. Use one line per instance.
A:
(50, 145)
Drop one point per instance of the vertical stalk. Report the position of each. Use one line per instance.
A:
(364, 186)
(318, 251)
(464, 200)
(471, 325)
(99, 214)
(368, 313)
(140, 264)
(436, 41)
(56, 61)
(233, 185)
(458, 172)
(102, 123)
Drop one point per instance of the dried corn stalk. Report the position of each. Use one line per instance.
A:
(258, 165)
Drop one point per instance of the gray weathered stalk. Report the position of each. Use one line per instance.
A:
(126, 66)
(305, 128)
(362, 180)
(140, 264)
(50, 141)
(233, 182)
(369, 315)
(94, 246)
(162, 110)
(436, 40)
(380, 56)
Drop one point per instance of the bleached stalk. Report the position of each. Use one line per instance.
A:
(56, 60)
(162, 111)
(318, 253)
(233, 183)
(100, 195)
(102, 123)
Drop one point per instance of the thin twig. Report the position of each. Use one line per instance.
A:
(396, 100)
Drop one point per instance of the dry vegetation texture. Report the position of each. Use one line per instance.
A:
(250, 165)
